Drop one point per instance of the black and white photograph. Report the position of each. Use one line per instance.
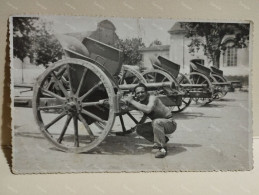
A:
(107, 94)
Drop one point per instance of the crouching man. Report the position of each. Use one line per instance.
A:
(161, 116)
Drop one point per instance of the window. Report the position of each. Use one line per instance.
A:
(230, 57)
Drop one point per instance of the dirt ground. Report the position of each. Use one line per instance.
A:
(213, 137)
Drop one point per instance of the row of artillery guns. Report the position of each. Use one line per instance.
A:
(76, 100)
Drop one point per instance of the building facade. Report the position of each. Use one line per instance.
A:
(156, 50)
(233, 61)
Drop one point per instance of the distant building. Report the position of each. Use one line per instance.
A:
(234, 61)
(156, 50)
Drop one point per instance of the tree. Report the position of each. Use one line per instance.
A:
(32, 36)
(155, 42)
(214, 34)
(23, 30)
(130, 48)
(47, 49)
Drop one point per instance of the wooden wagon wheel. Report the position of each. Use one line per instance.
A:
(157, 76)
(128, 75)
(186, 101)
(224, 89)
(87, 105)
(198, 78)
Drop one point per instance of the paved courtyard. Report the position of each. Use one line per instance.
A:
(213, 137)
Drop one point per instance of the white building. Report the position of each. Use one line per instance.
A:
(234, 61)
(156, 50)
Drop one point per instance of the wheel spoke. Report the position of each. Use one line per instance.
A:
(85, 104)
(50, 107)
(64, 80)
(81, 82)
(134, 81)
(53, 94)
(69, 78)
(64, 129)
(76, 138)
(86, 125)
(203, 82)
(55, 120)
(49, 84)
(155, 77)
(163, 79)
(198, 79)
(122, 123)
(90, 91)
(123, 77)
(132, 117)
(61, 71)
(181, 79)
(93, 116)
(60, 85)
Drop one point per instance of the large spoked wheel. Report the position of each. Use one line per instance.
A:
(85, 104)
(198, 78)
(186, 101)
(223, 89)
(159, 76)
(129, 75)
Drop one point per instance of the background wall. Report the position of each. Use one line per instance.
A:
(208, 183)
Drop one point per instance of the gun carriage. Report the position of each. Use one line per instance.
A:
(189, 89)
(192, 86)
(89, 87)
(213, 77)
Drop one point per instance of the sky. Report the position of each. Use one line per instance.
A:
(148, 29)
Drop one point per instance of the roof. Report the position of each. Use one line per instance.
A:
(176, 29)
(156, 48)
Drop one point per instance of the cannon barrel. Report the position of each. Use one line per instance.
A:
(151, 86)
(194, 85)
(224, 83)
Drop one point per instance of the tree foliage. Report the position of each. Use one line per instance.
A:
(47, 48)
(130, 48)
(155, 42)
(23, 30)
(33, 37)
(214, 34)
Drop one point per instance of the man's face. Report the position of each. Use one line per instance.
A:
(141, 94)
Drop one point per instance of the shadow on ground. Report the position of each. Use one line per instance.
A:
(135, 145)
(211, 105)
(29, 135)
(226, 100)
(191, 115)
(131, 144)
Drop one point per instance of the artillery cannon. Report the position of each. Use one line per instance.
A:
(188, 87)
(213, 77)
(91, 88)
(202, 85)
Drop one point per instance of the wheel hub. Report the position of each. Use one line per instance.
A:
(72, 106)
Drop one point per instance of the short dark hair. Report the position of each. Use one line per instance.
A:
(140, 85)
